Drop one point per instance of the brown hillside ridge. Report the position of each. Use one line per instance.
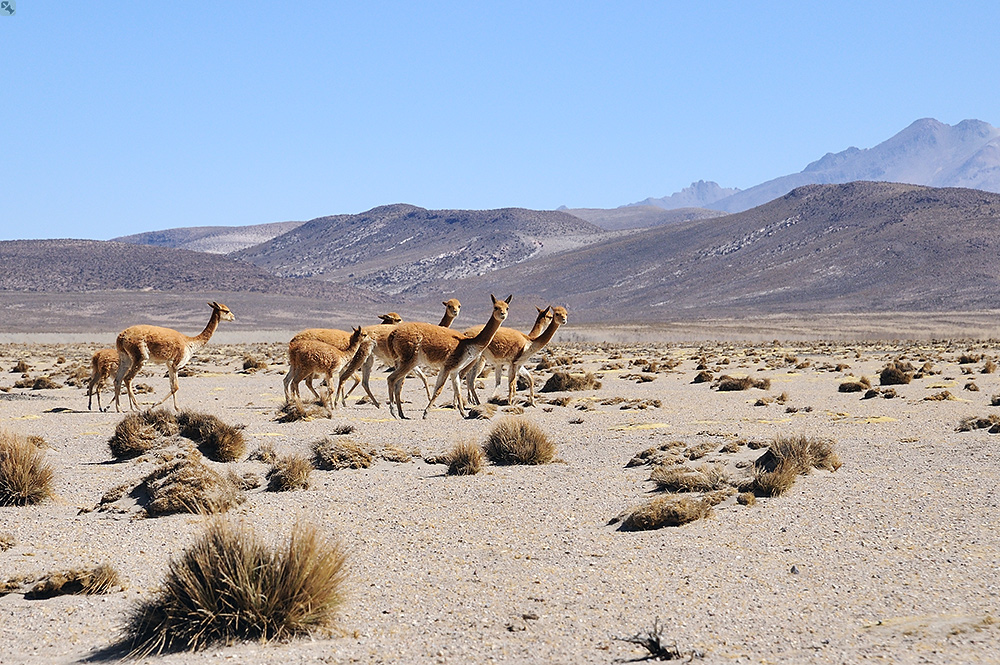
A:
(400, 248)
(862, 246)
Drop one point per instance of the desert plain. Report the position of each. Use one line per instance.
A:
(894, 557)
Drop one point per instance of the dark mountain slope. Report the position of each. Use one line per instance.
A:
(401, 248)
(60, 266)
(825, 248)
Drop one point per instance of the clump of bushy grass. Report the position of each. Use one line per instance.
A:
(789, 457)
(293, 411)
(290, 472)
(732, 383)
(188, 485)
(516, 440)
(855, 386)
(465, 459)
(219, 441)
(342, 453)
(81, 581)
(679, 478)
(230, 585)
(664, 511)
(139, 431)
(563, 381)
(25, 478)
(895, 374)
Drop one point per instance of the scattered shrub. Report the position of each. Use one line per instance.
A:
(974, 422)
(219, 441)
(20, 368)
(7, 541)
(746, 498)
(482, 412)
(230, 585)
(855, 386)
(465, 459)
(674, 478)
(45, 383)
(894, 374)
(787, 457)
(81, 581)
(138, 432)
(564, 381)
(187, 485)
(731, 383)
(703, 377)
(289, 473)
(395, 454)
(335, 454)
(518, 441)
(293, 411)
(989, 366)
(25, 478)
(942, 396)
(252, 363)
(665, 511)
(264, 453)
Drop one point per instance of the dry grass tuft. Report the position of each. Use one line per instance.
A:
(482, 412)
(518, 441)
(230, 585)
(942, 396)
(564, 381)
(293, 411)
(187, 485)
(665, 511)
(20, 368)
(290, 472)
(25, 478)
(465, 459)
(855, 386)
(746, 498)
(252, 363)
(395, 454)
(990, 422)
(264, 453)
(79, 581)
(7, 541)
(789, 457)
(336, 454)
(895, 374)
(732, 383)
(45, 383)
(677, 478)
(219, 441)
(139, 431)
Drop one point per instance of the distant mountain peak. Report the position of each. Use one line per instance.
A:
(699, 194)
(927, 152)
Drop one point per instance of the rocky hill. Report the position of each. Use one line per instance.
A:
(211, 239)
(61, 266)
(401, 248)
(864, 246)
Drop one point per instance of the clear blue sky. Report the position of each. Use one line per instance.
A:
(121, 117)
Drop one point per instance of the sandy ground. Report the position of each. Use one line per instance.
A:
(896, 555)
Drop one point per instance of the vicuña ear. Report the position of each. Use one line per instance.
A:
(508, 298)
(493, 298)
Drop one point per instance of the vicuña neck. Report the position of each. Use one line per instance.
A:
(209, 330)
(486, 334)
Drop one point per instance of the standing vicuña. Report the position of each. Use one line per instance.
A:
(103, 366)
(309, 356)
(512, 349)
(445, 349)
(141, 344)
